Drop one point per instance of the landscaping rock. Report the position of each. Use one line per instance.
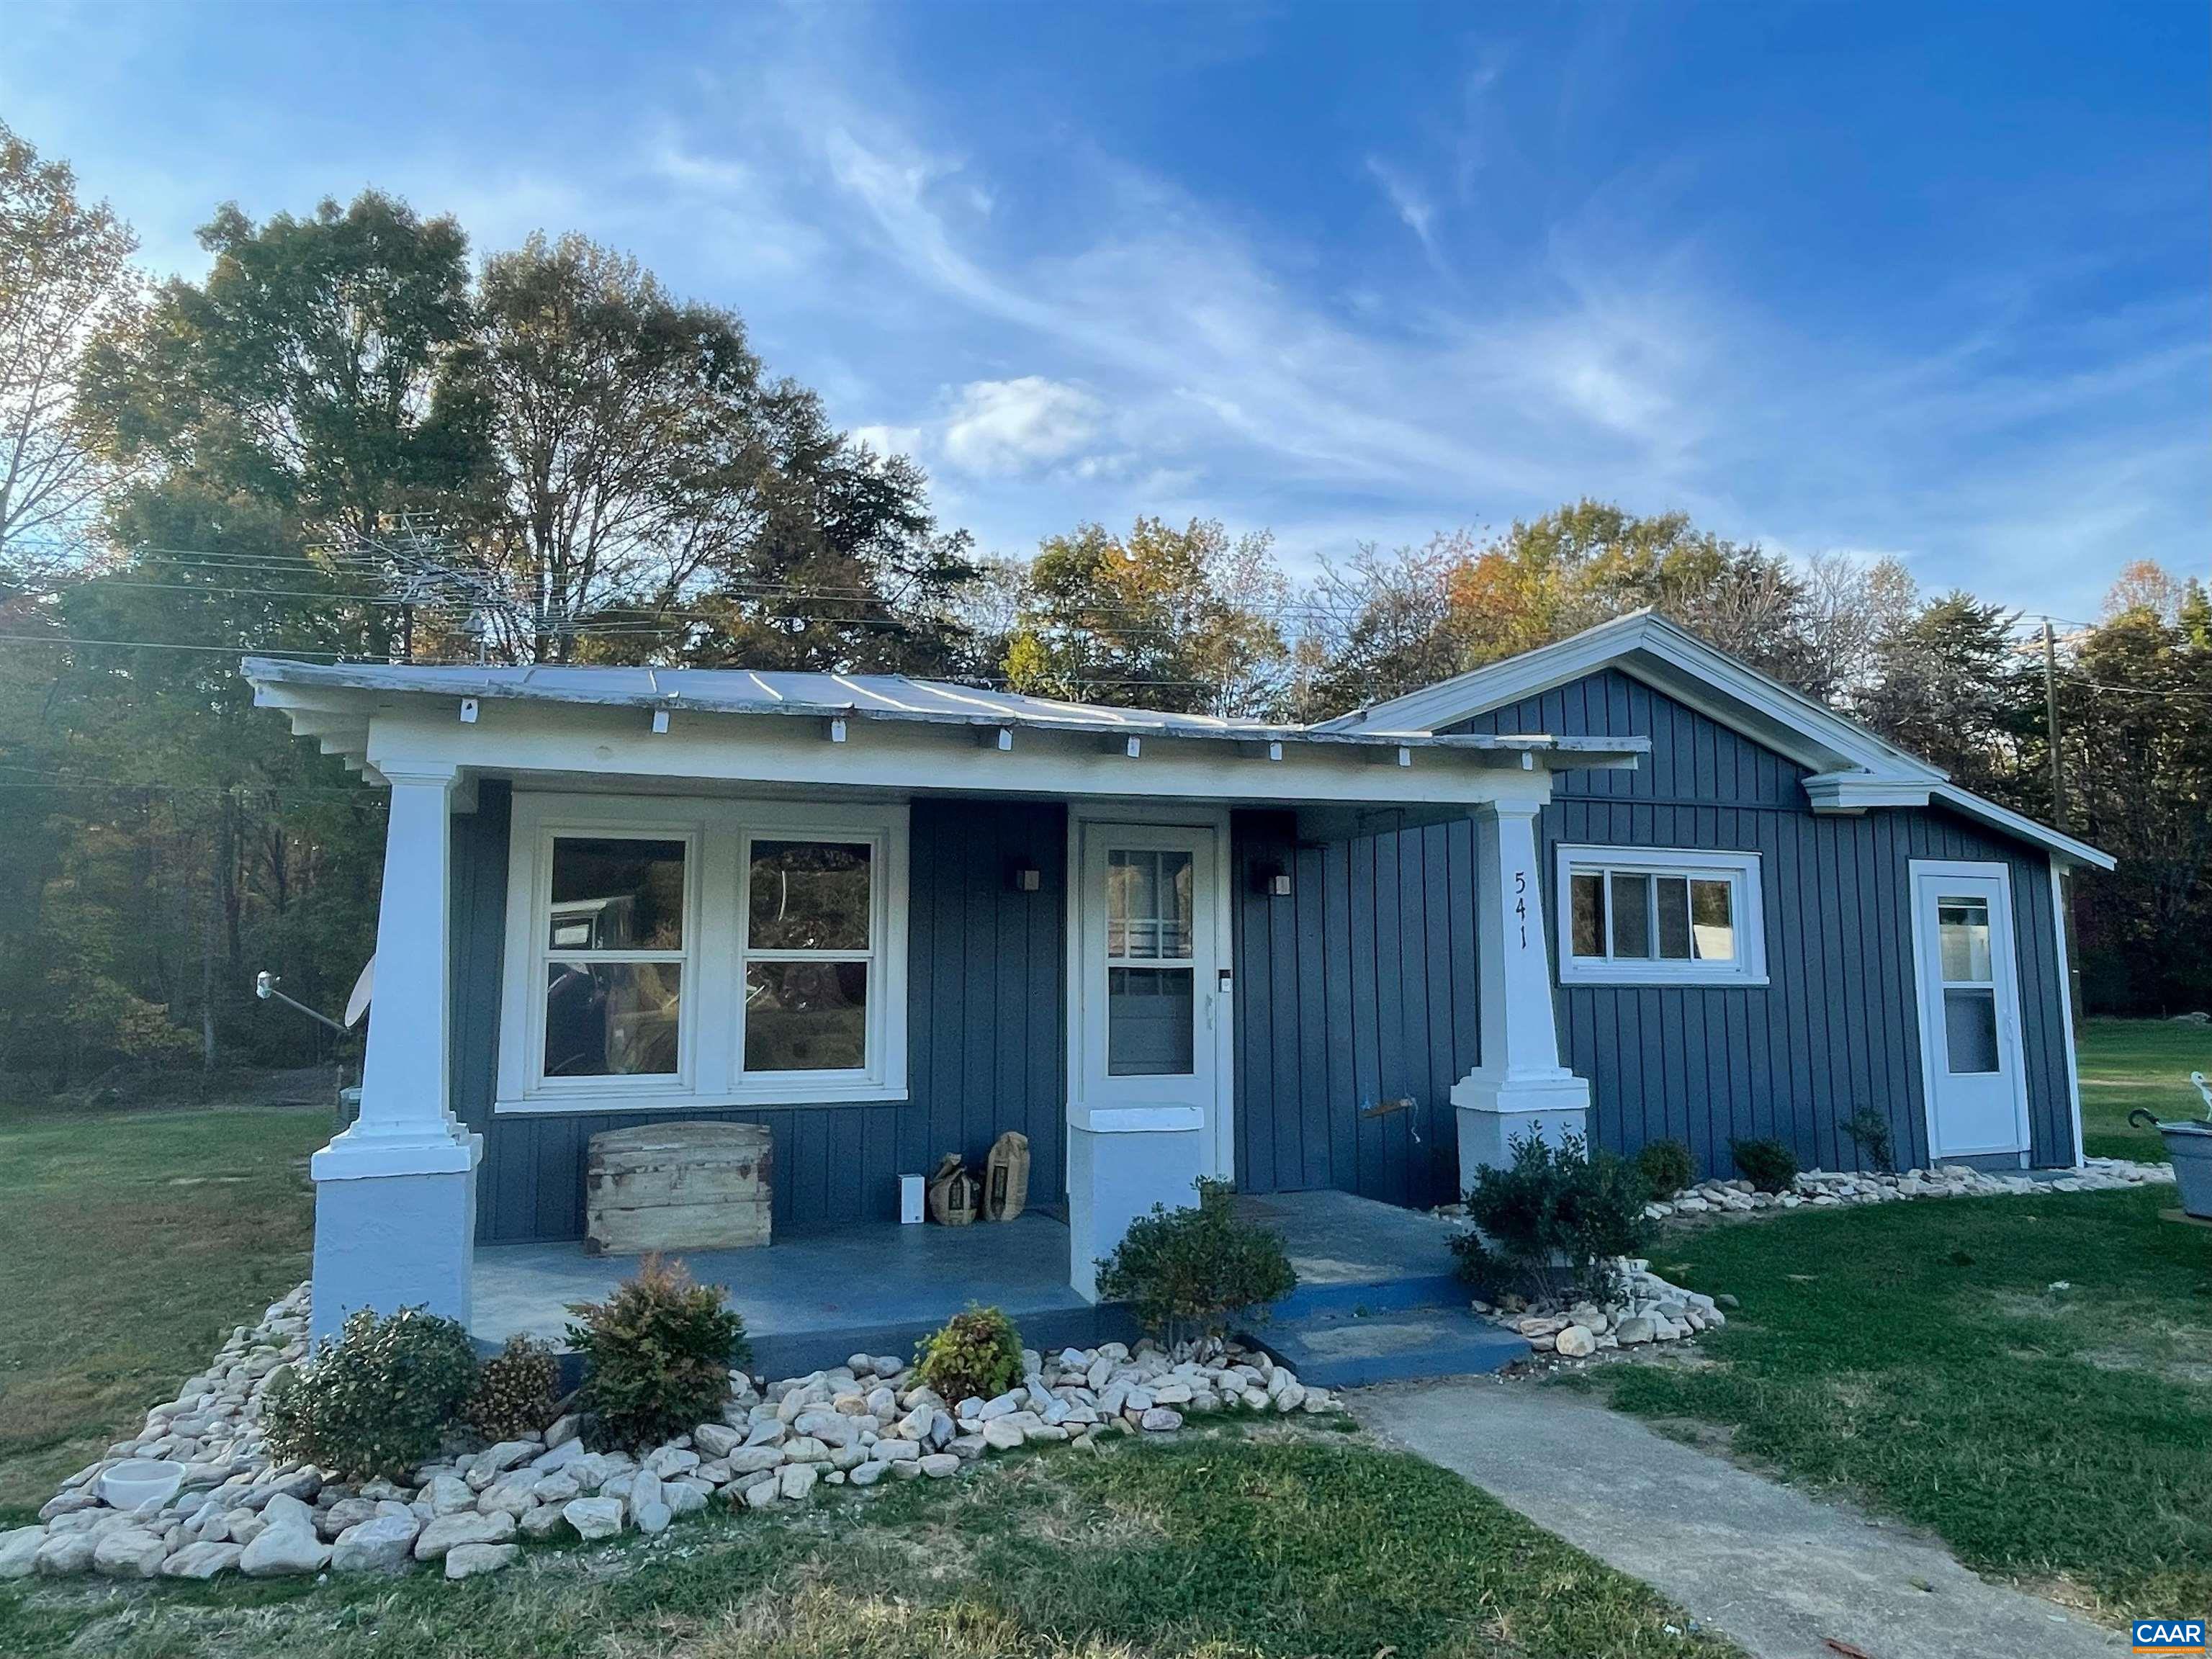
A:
(797, 1481)
(380, 1544)
(64, 1553)
(1160, 1420)
(18, 1549)
(467, 1560)
(447, 1530)
(1577, 1341)
(1634, 1330)
(282, 1549)
(129, 1552)
(203, 1560)
(594, 1518)
(938, 1465)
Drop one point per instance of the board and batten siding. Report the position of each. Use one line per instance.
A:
(1836, 1030)
(1355, 990)
(986, 1024)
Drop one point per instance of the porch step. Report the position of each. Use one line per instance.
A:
(1344, 1348)
(1370, 1296)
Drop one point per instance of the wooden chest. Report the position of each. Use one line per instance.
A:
(677, 1187)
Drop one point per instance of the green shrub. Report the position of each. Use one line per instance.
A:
(977, 1356)
(1553, 1220)
(1767, 1165)
(657, 1356)
(515, 1390)
(1665, 1168)
(377, 1401)
(1869, 1133)
(1188, 1271)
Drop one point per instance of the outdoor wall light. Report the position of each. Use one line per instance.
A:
(1272, 880)
(1024, 878)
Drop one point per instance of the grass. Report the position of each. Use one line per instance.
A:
(132, 1241)
(1920, 1357)
(2126, 1063)
(1288, 1543)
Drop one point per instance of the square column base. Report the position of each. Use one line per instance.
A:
(389, 1242)
(1119, 1163)
(1493, 1113)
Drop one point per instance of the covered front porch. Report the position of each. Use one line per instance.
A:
(886, 919)
(810, 1303)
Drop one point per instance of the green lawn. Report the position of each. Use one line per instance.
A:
(2126, 1063)
(1286, 1542)
(132, 1241)
(1920, 1357)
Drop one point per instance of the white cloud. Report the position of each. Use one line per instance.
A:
(887, 439)
(1001, 427)
(1406, 201)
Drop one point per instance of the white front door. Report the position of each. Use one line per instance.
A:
(1969, 980)
(1149, 996)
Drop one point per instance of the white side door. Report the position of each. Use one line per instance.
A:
(1970, 1038)
(1148, 996)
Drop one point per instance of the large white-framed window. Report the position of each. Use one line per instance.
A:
(1653, 915)
(666, 952)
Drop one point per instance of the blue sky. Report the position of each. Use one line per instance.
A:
(1921, 279)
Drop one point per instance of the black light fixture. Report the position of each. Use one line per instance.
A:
(1271, 880)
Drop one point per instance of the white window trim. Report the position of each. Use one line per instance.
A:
(710, 1033)
(1747, 902)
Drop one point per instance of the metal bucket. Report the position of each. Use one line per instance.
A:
(2188, 1147)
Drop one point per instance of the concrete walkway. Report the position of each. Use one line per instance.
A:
(1779, 1571)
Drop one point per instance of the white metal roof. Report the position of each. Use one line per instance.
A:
(335, 704)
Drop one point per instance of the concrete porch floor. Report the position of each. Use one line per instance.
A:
(811, 1301)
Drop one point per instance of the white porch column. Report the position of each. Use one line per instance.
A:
(1121, 1162)
(1520, 1086)
(395, 1194)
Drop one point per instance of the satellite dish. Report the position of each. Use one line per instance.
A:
(363, 988)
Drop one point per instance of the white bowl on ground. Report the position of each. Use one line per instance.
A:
(137, 1480)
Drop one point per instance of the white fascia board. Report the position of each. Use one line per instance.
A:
(2062, 846)
(1651, 648)
(571, 746)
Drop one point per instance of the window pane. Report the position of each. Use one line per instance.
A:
(1150, 1025)
(1588, 915)
(1632, 917)
(614, 893)
(806, 1016)
(1712, 919)
(809, 895)
(1962, 927)
(1673, 897)
(1969, 1030)
(1175, 876)
(611, 1019)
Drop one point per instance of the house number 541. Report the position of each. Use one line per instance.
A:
(1521, 903)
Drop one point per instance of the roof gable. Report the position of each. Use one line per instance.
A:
(1851, 768)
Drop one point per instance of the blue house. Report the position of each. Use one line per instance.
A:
(1624, 885)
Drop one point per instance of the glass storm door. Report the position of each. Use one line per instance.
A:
(1969, 1010)
(1148, 1000)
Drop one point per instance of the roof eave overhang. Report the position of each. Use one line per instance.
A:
(496, 729)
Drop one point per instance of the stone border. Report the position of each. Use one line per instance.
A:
(853, 1425)
(1828, 1188)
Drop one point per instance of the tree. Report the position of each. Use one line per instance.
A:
(64, 276)
(625, 454)
(1380, 626)
(1179, 620)
(1947, 684)
(305, 372)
